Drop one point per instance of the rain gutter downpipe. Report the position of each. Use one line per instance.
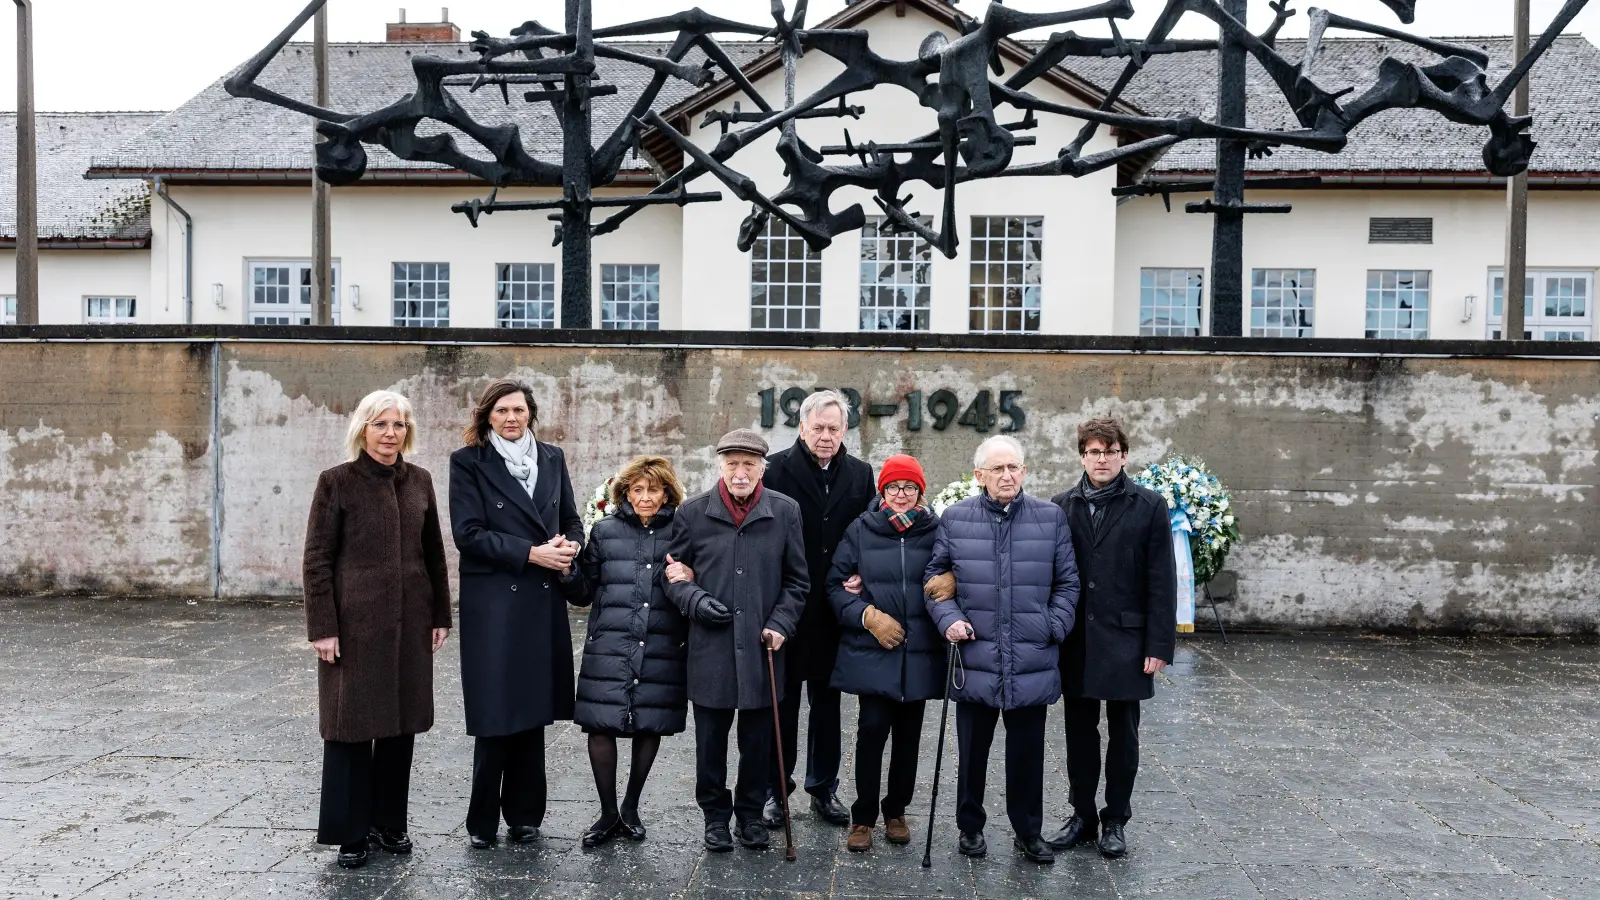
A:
(188, 250)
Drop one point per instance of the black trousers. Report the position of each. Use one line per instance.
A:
(365, 785)
(881, 718)
(507, 779)
(1083, 757)
(711, 727)
(823, 742)
(1024, 766)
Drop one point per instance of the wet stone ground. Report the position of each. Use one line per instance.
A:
(161, 750)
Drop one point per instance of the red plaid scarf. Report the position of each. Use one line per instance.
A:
(902, 521)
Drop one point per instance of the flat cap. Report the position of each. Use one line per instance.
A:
(743, 440)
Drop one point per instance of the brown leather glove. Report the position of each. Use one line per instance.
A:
(941, 587)
(883, 627)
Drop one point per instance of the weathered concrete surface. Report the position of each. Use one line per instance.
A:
(1393, 493)
(158, 751)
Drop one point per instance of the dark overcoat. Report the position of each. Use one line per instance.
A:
(1017, 586)
(825, 516)
(891, 565)
(758, 571)
(634, 675)
(375, 578)
(1128, 608)
(516, 645)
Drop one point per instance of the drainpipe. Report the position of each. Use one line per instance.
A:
(188, 251)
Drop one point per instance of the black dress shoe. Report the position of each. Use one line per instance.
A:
(772, 813)
(1034, 849)
(1075, 833)
(389, 841)
(480, 842)
(972, 844)
(718, 840)
(629, 826)
(523, 834)
(1112, 844)
(830, 810)
(601, 832)
(353, 856)
(753, 836)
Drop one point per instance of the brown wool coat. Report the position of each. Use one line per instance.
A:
(375, 578)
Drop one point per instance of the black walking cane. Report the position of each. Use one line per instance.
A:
(938, 757)
(777, 735)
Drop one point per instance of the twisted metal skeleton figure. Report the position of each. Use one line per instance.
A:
(951, 76)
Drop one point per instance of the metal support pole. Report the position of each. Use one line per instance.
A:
(1514, 326)
(321, 200)
(1227, 235)
(27, 174)
(577, 176)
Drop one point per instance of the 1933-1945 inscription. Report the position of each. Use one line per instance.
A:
(941, 410)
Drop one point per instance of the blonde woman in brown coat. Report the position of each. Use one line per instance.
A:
(377, 609)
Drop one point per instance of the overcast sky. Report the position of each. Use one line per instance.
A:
(155, 54)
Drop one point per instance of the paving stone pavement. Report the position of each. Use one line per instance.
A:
(155, 749)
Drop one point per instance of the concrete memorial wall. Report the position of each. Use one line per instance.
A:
(1434, 492)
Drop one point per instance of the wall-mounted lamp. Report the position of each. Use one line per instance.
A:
(216, 294)
(355, 296)
(1470, 307)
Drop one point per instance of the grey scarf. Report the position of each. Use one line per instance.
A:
(1100, 498)
(521, 456)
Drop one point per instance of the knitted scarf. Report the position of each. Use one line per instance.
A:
(903, 521)
(521, 456)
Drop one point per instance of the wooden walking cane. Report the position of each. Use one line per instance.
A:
(777, 735)
(938, 756)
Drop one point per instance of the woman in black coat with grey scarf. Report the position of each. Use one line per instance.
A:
(632, 682)
(890, 654)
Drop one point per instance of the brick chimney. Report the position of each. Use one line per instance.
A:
(440, 32)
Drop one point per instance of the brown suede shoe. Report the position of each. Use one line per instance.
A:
(897, 831)
(860, 840)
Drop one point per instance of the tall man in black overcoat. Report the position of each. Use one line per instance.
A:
(833, 489)
(1127, 624)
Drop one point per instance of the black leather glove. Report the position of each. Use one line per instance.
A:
(711, 612)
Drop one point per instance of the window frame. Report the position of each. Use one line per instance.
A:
(613, 322)
(1261, 279)
(299, 278)
(504, 306)
(1425, 309)
(132, 318)
(1156, 330)
(981, 267)
(806, 315)
(870, 308)
(1537, 324)
(422, 280)
(8, 309)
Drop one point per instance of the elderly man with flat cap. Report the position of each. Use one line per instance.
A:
(736, 568)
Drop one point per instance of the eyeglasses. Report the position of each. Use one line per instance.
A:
(901, 488)
(386, 427)
(997, 471)
(1102, 454)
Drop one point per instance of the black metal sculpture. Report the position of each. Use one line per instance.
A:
(951, 76)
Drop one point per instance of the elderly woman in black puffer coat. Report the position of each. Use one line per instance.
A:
(633, 679)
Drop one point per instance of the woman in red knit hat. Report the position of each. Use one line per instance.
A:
(890, 653)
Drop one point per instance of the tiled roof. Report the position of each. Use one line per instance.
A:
(70, 206)
(1565, 106)
(214, 131)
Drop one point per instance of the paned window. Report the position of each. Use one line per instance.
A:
(1006, 284)
(8, 310)
(110, 310)
(1558, 306)
(1283, 303)
(896, 276)
(1170, 300)
(630, 298)
(1397, 303)
(422, 295)
(785, 281)
(280, 292)
(525, 295)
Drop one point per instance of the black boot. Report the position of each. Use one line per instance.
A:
(389, 841)
(972, 844)
(1112, 844)
(829, 809)
(523, 834)
(718, 840)
(753, 836)
(1034, 850)
(1075, 833)
(353, 856)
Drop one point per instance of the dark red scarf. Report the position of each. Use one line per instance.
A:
(735, 508)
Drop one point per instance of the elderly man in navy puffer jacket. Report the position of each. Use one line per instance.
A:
(1003, 581)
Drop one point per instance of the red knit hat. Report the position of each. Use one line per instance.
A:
(902, 468)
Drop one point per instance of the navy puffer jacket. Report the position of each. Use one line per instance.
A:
(890, 564)
(1017, 585)
(635, 666)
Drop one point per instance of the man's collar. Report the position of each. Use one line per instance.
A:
(812, 457)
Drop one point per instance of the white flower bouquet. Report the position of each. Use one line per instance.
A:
(1200, 505)
(955, 492)
(599, 504)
